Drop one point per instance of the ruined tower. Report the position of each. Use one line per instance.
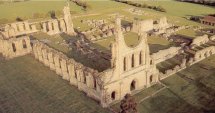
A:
(68, 20)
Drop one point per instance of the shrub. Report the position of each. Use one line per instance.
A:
(19, 19)
(160, 8)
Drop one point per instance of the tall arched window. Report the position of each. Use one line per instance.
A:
(151, 78)
(132, 60)
(150, 62)
(14, 47)
(85, 79)
(76, 74)
(124, 64)
(133, 85)
(24, 44)
(140, 58)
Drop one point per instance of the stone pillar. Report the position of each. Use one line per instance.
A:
(71, 69)
(56, 26)
(64, 69)
(68, 21)
(39, 51)
(44, 27)
(50, 28)
(62, 26)
(14, 26)
(35, 51)
(27, 26)
(128, 62)
(34, 28)
(136, 59)
(45, 57)
(90, 81)
(57, 64)
(51, 60)
(21, 27)
(11, 32)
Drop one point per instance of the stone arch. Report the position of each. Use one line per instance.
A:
(113, 95)
(133, 85)
(14, 47)
(24, 44)
(132, 60)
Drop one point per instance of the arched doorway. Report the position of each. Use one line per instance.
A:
(133, 85)
(113, 95)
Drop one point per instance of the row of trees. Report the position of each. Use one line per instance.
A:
(157, 8)
(205, 2)
(82, 4)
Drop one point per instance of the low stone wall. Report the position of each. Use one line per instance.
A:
(104, 34)
(84, 78)
(165, 54)
(198, 56)
(15, 47)
(206, 52)
(172, 71)
(18, 28)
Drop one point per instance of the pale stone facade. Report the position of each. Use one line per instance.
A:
(132, 68)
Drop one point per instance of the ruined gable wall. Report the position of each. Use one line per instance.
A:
(15, 47)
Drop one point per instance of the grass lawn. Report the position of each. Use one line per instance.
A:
(27, 86)
(157, 43)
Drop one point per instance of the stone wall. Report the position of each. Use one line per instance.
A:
(199, 40)
(54, 26)
(198, 56)
(174, 70)
(163, 55)
(150, 25)
(18, 28)
(204, 53)
(15, 47)
(84, 78)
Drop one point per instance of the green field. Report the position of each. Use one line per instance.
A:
(27, 86)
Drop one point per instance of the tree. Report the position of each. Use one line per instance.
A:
(128, 105)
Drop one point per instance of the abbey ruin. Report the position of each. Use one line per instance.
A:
(122, 70)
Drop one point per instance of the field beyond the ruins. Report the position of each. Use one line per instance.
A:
(27, 86)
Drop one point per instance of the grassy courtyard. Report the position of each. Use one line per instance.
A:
(27, 86)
